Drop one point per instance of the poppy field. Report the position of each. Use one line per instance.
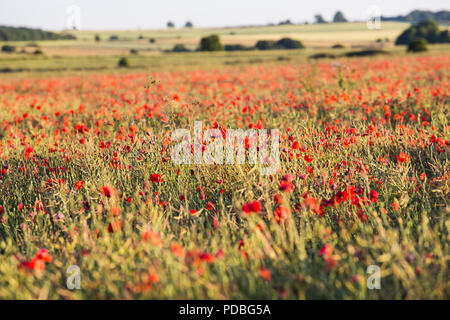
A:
(89, 194)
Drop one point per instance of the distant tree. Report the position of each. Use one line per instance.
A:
(180, 48)
(38, 52)
(113, 38)
(320, 19)
(267, 45)
(415, 16)
(123, 62)
(285, 22)
(417, 45)
(288, 43)
(152, 40)
(8, 49)
(285, 43)
(426, 29)
(237, 47)
(170, 24)
(211, 43)
(97, 38)
(28, 34)
(444, 37)
(339, 17)
(140, 37)
(338, 46)
(134, 51)
(188, 25)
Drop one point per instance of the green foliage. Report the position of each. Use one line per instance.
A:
(267, 45)
(339, 17)
(180, 48)
(322, 56)
(285, 43)
(285, 22)
(417, 45)
(211, 43)
(288, 43)
(123, 62)
(8, 49)
(365, 53)
(426, 29)
(442, 17)
(320, 19)
(28, 34)
(237, 47)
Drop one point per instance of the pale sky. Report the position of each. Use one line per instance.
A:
(154, 14)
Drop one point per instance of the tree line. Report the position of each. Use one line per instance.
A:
(29, 34)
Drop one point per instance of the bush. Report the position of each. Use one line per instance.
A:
(8, 49)
(152, 40)
(211, 43)
(285, 43)
(267, 45)
(338, 46)
(123, 62)
(288, 43)
(113, 38)
(237, 47)
(134, 51)
(180, 48)
(322, 56)
(426, 29)
(38, 52)
(97, 38)
(417, 45)
(365, 53)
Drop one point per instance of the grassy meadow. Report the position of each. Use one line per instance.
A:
(87, 179)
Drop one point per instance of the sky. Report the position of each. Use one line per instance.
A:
(154, 14)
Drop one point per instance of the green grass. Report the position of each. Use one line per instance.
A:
(31, 65)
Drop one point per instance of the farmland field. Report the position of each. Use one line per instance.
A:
(87, 177)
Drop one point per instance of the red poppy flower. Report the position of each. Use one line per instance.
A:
(326, 251)
(107, 191)
(281, 213)
(79, 185)
(402, 158)
(155, 178)
(373, 196)
(114, 226)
